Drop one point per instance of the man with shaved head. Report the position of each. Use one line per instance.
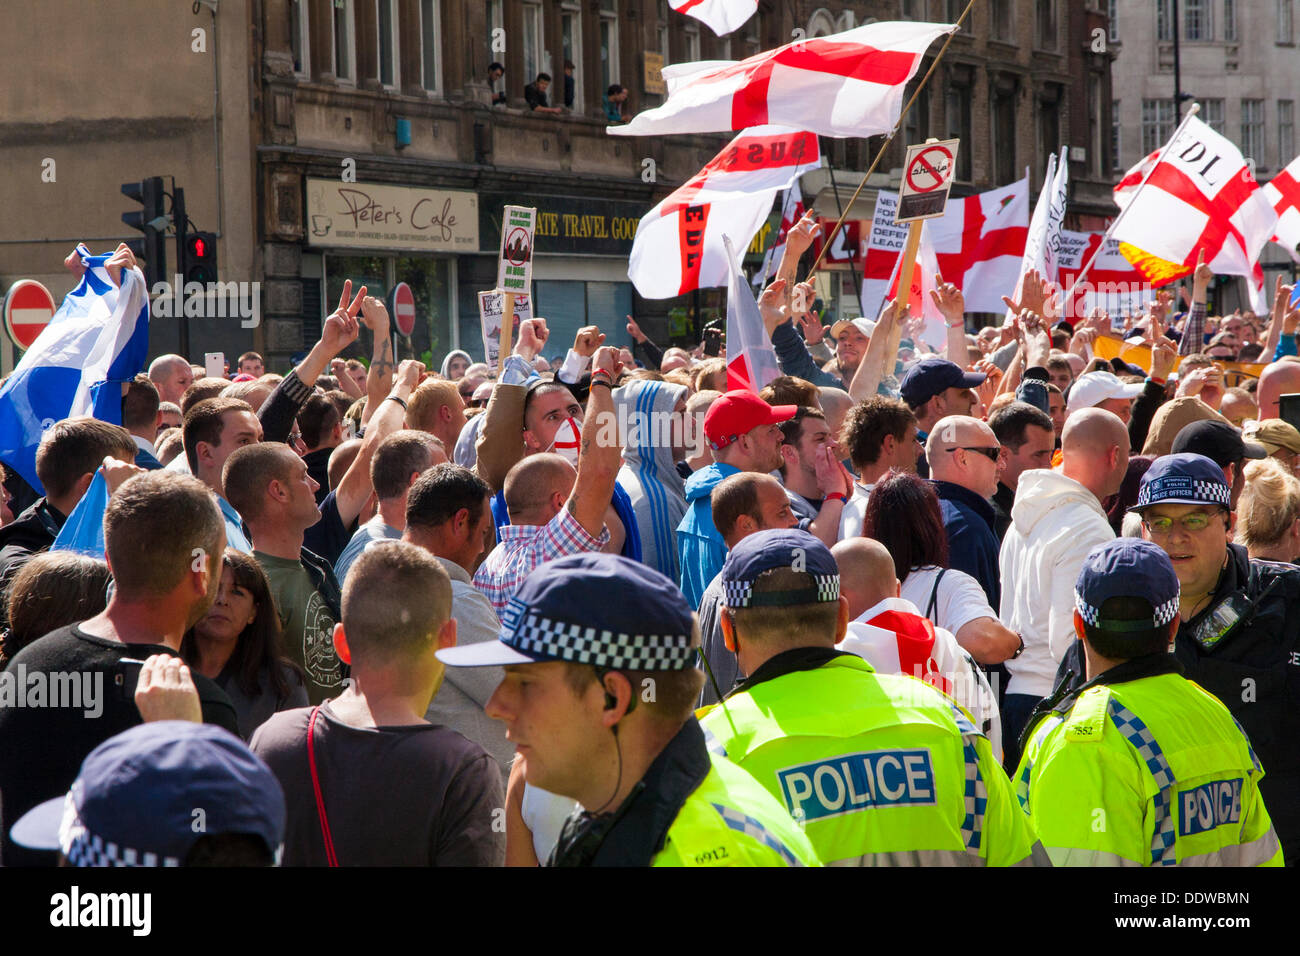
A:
(891, 634)
(171, 375)
(1280, 378)
(966, 461)
(1057, 519)
(555, 511)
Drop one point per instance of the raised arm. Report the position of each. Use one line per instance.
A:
(598, 461)
(379, 380)
(390, 414)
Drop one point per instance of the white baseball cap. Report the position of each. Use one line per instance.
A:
(865, 326)
(1093, 388)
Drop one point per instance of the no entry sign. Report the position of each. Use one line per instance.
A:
(401, 302)
(927, 178)
(28, 309)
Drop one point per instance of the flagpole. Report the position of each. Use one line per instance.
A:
(1196, 108)
(853, 270)
(885, 145)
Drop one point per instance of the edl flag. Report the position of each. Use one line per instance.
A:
(1043, 243)
(1199, 195)
(96, 341)
(678, 245)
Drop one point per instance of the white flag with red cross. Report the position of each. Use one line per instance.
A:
(980, 241)
(848, 84)
(751, 360)
(1283, 191)
(720, 16)
(678, 245)
(1199, 196)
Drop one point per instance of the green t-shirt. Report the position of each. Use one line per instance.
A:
(308, 625)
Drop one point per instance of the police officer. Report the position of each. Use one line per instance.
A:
(1139, 766)
(600, 680)
(881, 769)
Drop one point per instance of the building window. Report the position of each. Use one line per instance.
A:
(1285, 133)
(388, 42)
(344, 38)
(532, 42)
(1212, 114)
(692, 34)
(430, 45)
(1230, 21)
(1003, 18)
(1049, 126)
(957, 106)
(913, 9)
(1252, 130)
(609, 71)
(663, 31)
(1285, 24)
(1112, 19)
(571, 41)
(1047, 24)
(1114, 135)
(1165, 20)
(954, 9)
(1198, 22)
(1096, 151)
(917, 125)
(753, 34)
(1157, 124)
(299, 36)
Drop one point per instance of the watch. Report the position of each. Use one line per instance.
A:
(1019, 650)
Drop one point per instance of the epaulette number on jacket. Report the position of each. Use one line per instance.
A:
(1087, 720)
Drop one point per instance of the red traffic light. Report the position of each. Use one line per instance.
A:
(199, 247)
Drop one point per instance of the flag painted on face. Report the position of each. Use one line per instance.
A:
(97, 340)
(1283, 191)
(1199, 196)
(678, 245)
(720, 16)
(751, 360)
(848, 84)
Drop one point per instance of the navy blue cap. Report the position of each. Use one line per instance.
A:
(599, 609)
(930, 376)
(1217, 441)
(1034, 392)
(787, 548)
(135, 799)
(1183, 479)
(1127, 568)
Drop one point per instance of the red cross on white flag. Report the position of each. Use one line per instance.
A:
(849, 84)
(1283, 191)
(1199, 195)
(721, 16)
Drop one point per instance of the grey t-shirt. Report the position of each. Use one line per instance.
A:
(726, 670)
(417, 795)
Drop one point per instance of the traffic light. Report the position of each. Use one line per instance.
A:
(152, 220)
(200, 263)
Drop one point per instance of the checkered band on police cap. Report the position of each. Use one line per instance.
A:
(1184, 478)
(83, 848)
(1161, 615)
(825, 588)
(536, 635)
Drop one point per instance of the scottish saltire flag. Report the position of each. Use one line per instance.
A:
(97, 340)
(751, 360)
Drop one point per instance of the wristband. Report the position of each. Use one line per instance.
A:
(1019, 650)
(601, 381)
(394, 398)
(1156, 381)
(835, 496)
(601, 374)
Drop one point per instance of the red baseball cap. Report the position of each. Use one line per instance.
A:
(739, 412)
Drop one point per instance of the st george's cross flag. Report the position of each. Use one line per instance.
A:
(678, 246)
(720, 16)
(848, 84)
(1199, 196)
(97, 340)
(1283, 191)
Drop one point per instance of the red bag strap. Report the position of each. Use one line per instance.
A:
(330, 857)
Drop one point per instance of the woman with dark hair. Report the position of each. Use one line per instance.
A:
(903, 514)
(238, 644)
(52, 590)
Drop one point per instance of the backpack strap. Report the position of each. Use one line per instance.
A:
(933, 606)
(330, 856)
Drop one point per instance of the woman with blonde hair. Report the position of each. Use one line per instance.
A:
(1268, 512)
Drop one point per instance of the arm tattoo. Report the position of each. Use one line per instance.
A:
(383, 365)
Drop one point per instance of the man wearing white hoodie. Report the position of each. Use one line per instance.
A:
(1057, 519)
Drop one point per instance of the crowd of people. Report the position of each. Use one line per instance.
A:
(900, 607)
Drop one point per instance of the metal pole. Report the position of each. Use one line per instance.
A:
(1178, 73)
(839, 207)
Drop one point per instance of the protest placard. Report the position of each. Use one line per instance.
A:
(491, 308)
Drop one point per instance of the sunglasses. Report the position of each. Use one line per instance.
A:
(992, 454)
(1192, 523)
